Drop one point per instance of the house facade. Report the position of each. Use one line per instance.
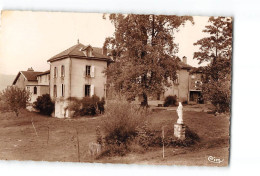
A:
(187, 86)
(43, 83)
(77, 72)
(29, 80)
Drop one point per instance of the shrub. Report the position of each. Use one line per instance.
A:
(89, 105)
(219, 94)
(120, 125)
(152, 138)
(44, 104)
(86, 105)
(170, 101)
(14, 99)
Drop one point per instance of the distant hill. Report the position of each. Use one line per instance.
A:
(6, 80)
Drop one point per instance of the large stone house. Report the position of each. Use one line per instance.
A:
(77, 72)
(29, 80)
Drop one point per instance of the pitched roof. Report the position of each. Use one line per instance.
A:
(185, 66)
(29, 75)
(44, 73)
(77, 51)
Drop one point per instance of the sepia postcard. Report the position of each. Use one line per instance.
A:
(115, 88)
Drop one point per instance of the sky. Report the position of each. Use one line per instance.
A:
(29, 39)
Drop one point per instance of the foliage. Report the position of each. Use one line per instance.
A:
(143, 49)
(44, 104)
(89, 105)
(120, 123)
(86, 105)
(170, 101)
(14, 99)
(151, 138)
(218, 93)
(216, 48)
(218, 44)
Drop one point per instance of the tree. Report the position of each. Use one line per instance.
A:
(13, 99)
(144, 51)
(216, 48)
(44, 104)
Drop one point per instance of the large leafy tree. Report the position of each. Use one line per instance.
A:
(14, 99)
(216, 49)
(144, 51)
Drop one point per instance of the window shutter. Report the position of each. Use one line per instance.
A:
(92, 74)
(84, 90)
(92, 90)
(61, 71)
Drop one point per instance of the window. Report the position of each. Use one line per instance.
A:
(55, 91)
(62, 71)
(55, 72)
(28, 88)
(62, 90)
(88, 70)
(39, 79)
(87, 90)
(48, 77)
(35, 90)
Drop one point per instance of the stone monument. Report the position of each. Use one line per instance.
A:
(179, 127)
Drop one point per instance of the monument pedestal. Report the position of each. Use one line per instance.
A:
(179, 131)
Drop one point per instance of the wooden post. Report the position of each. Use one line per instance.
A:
(48, 135)
(78, 144)
(34, 127)
(163, 139)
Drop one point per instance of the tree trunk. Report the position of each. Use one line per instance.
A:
(144, 103)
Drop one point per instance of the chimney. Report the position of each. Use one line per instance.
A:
(184, 59)
(30, 69)
(104, 51)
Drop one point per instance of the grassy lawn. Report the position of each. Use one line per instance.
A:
(56, 139)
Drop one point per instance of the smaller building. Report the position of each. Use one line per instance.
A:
(43, 83)
(187, 86)
(37, 83)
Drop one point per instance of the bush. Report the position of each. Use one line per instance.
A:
(87, 106)
(44, 104)
(152, 138)
(219, 94)
(14, 99)
(120, 126)
(170, 101)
